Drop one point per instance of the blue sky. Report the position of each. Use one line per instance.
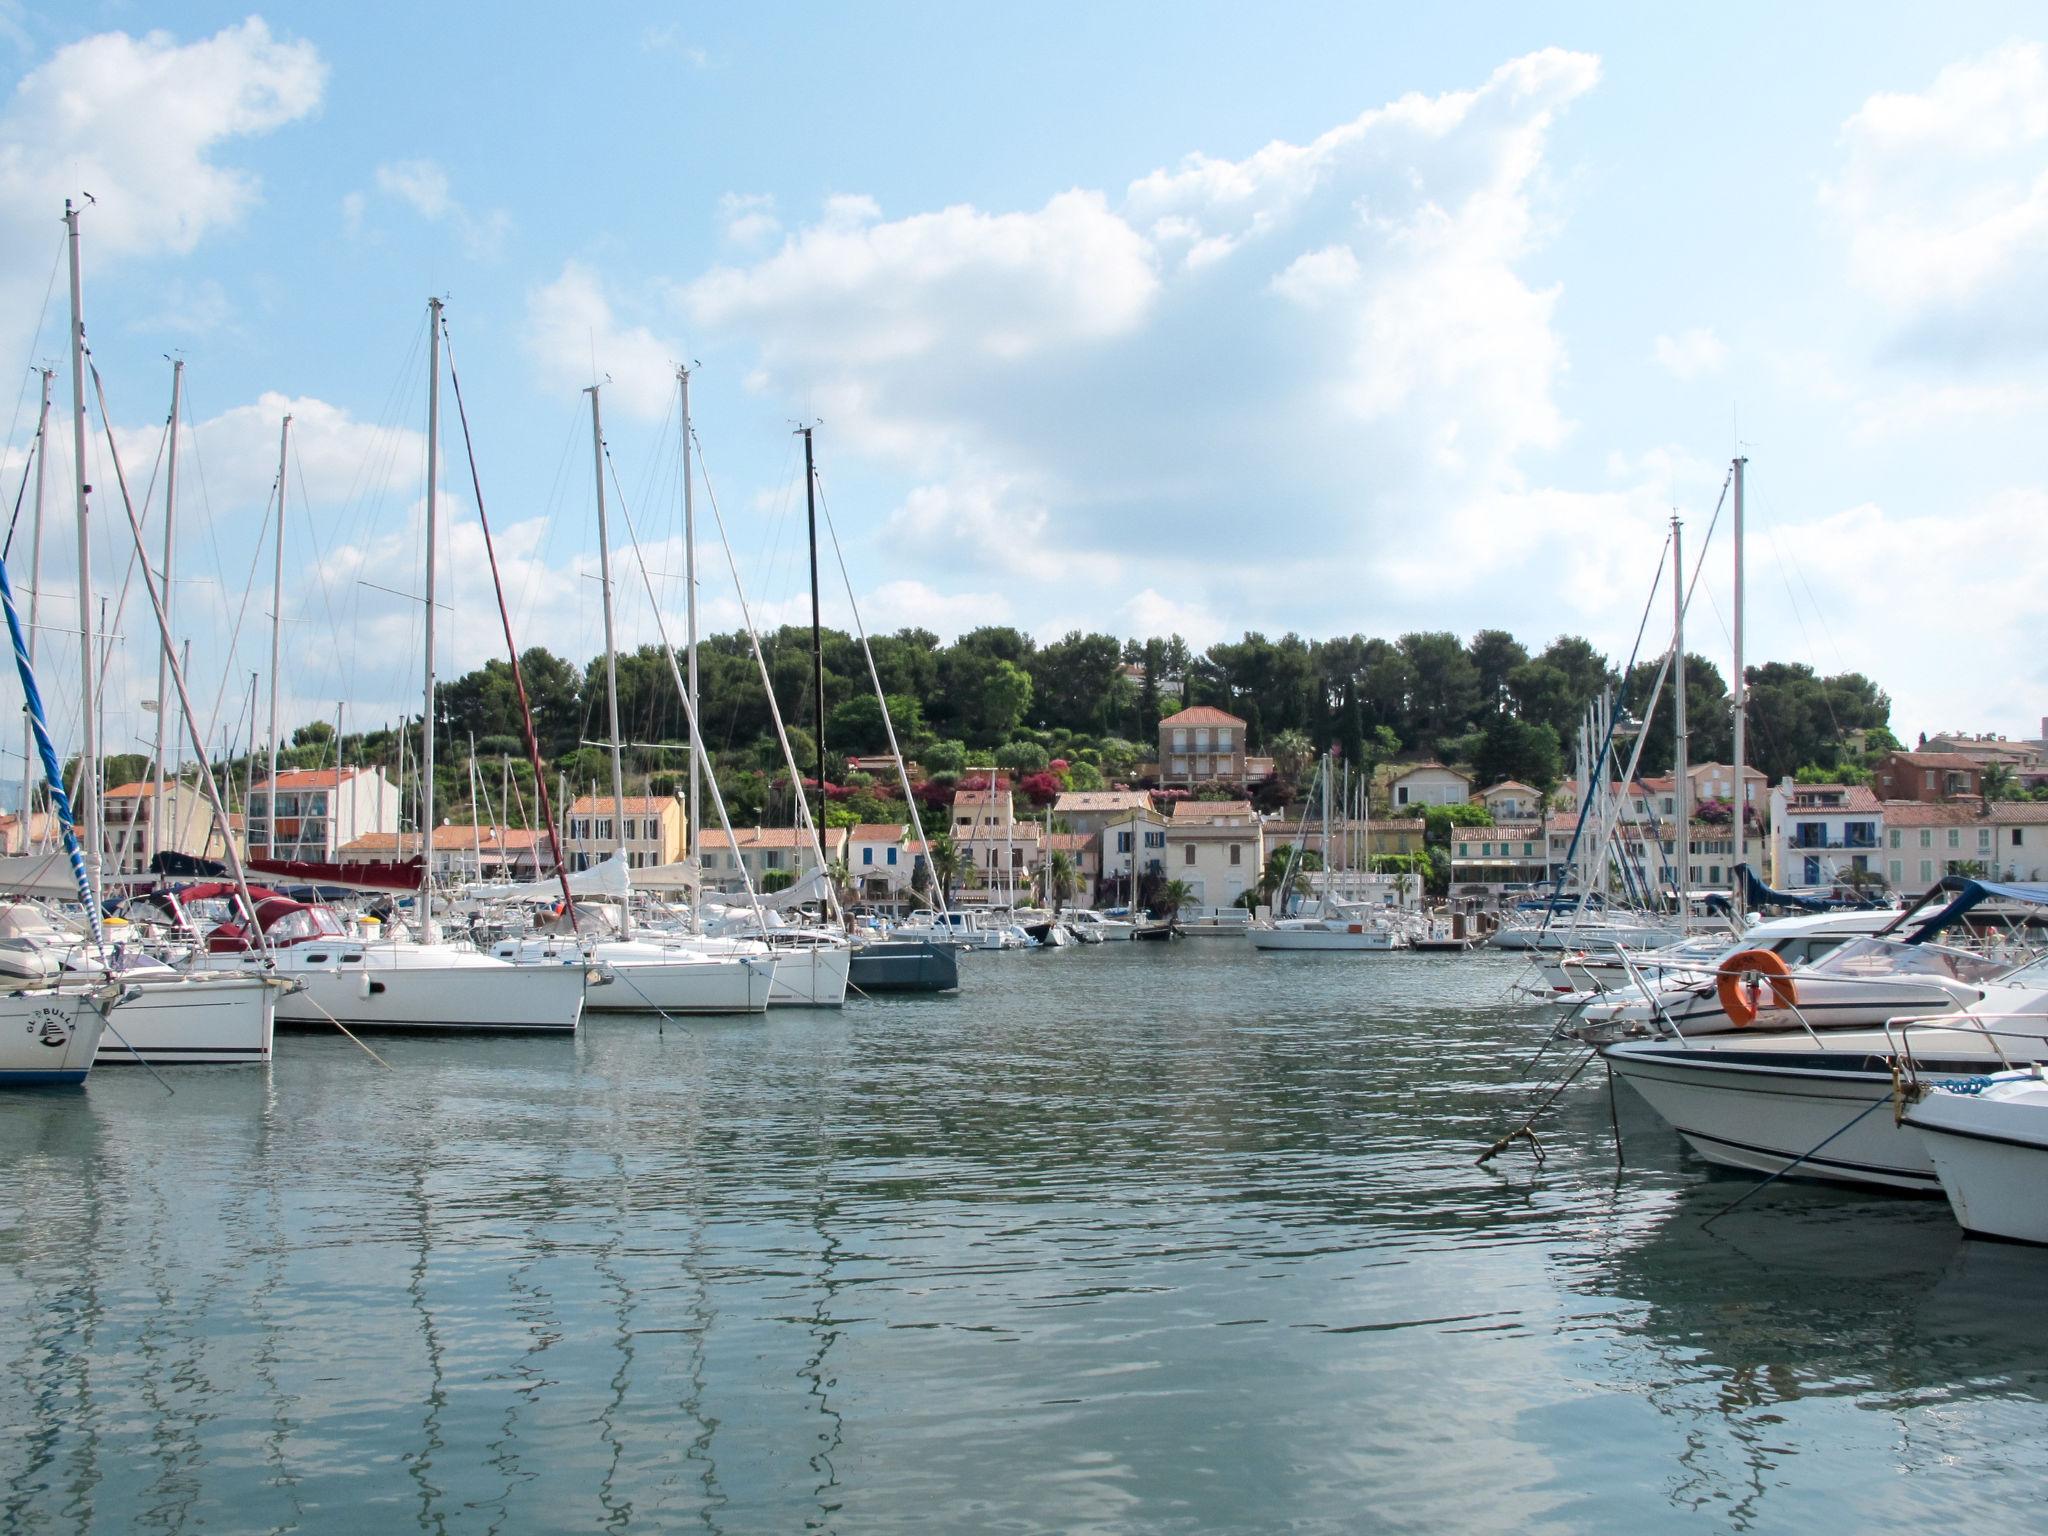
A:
(1138, 318)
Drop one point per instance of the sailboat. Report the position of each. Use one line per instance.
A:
(1329, 924)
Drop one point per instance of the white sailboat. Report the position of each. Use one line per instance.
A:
(1330, 924)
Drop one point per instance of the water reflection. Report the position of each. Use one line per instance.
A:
(1190, 1241)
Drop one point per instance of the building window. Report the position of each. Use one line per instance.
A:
(1983, 839)
(1926, 841)
(2015, 837)
(1180, 739)
(867, 855)
(1926, 869)
(892, 856)
(1189, 850)
(1223, 738)
(1155, 839)
(1123, 842)
(1237, 853)
(1955, 838)
(1400, 794)
(1898, 872)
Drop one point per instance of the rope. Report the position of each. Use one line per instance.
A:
(1526, 1130)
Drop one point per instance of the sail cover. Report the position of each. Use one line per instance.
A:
(372, 875)
(608, 877)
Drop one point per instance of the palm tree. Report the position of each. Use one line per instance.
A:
(944, 857)
(1059, 873)
(1174, 895)
(1999, 782)
(1292, 752)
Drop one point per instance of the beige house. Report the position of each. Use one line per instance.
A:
(650, 828)
(1512, 800)
(1201, 745)
(762, 851)
(1217, 848)
(42, 832)
(1088, 811)
(1486, 860)
(129, 837)
(979, 813)
(463, 852)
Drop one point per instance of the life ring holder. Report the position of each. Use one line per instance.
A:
(1740, 992)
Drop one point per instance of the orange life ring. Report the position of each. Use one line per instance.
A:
(1740, 991)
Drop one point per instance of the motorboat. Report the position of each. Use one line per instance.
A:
(1332, 926)
(966, 930)
(1856, 983)
(1592, 931)
(1086, 920)
(650, 975)
(1988, 1141)
(1214, 922)
(1797, 940)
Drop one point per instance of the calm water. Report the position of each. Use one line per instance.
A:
(1133, 1238)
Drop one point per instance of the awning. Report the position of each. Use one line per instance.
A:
(1969, 893)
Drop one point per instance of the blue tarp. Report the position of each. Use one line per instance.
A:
(1756, 894)
(1971, 893)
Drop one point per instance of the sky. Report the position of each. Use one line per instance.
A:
(1144, 318)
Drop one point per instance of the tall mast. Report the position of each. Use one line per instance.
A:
(427, 719)
(88, 719)
(163, 660)
(35, 599)
(284, 438)
(611, 648)
(817, 634)
(1680, 745)
(476, 836)
(690, 580)
(1739, 697)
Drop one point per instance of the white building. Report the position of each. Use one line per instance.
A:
(763, 851)
(1999, 839)
(880, 861)
(1133, 846)
(1088, 811)
(308, 813)
(1428, 784)
(1822, 833)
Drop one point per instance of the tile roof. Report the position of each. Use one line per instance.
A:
(1101, 800)
(308, 778)
(1211, 810)
(138, 789)
(1409, 770)
(1965, 813)
(1855, 797)
(448, 839)
(634, 805)
(1202, 714)
(771, 837)
(1514, 784)
(881, 832)
(1955, 760)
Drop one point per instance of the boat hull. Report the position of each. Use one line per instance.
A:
(47, 1038)
(185, 1020)
(904, 965)
(1992, 1160)
(810, 976)
(1324, 940)
(429, 999)
(1817, 1114)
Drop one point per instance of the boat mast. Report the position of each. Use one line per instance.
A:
(611, 647)
(427, 719)
(1680, 744)
(163, 660)
(284, 438)
(1739, 700)
(817, 633)
(35, 598)
(690, 581)
(88, 753)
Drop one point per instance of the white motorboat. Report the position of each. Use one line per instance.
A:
(1795, 940)
(1604, 932)
(1858, 984)
(1988, 1141)
(968, 930)
(1085, 921)
(1332, 926)
(651, 976)
(1817, 1104)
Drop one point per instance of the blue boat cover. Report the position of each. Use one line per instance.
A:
(1971, 893)
(1756, 894)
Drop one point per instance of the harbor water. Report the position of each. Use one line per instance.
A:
(1126, 1238)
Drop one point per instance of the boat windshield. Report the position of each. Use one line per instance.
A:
(1863, 958)
(305, 923)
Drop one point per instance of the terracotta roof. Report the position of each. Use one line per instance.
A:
(1965, 813)
(1101, 800)
(881, 832)
(138, 789)
(1514, 784)
(1202, 714)
(308, 778)
(1210, 810)
(447, 839)
(633, 805)
(1069, 842)
(769, 837)
(1955, 760)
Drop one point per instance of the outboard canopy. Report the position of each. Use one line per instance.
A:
(1969, 893)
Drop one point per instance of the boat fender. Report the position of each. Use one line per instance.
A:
(363, 984)
(1741, 981)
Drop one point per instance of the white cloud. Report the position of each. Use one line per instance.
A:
(137, 122)
(748, 218)
(1690, 354)
(572, 333)
(423, 186)
(1943, 197)
(671, 41)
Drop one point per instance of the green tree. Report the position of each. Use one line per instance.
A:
(1518, 749)
(1172, 896)
(1999, 782)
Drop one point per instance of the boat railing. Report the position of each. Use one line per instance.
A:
(1898, 1031)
